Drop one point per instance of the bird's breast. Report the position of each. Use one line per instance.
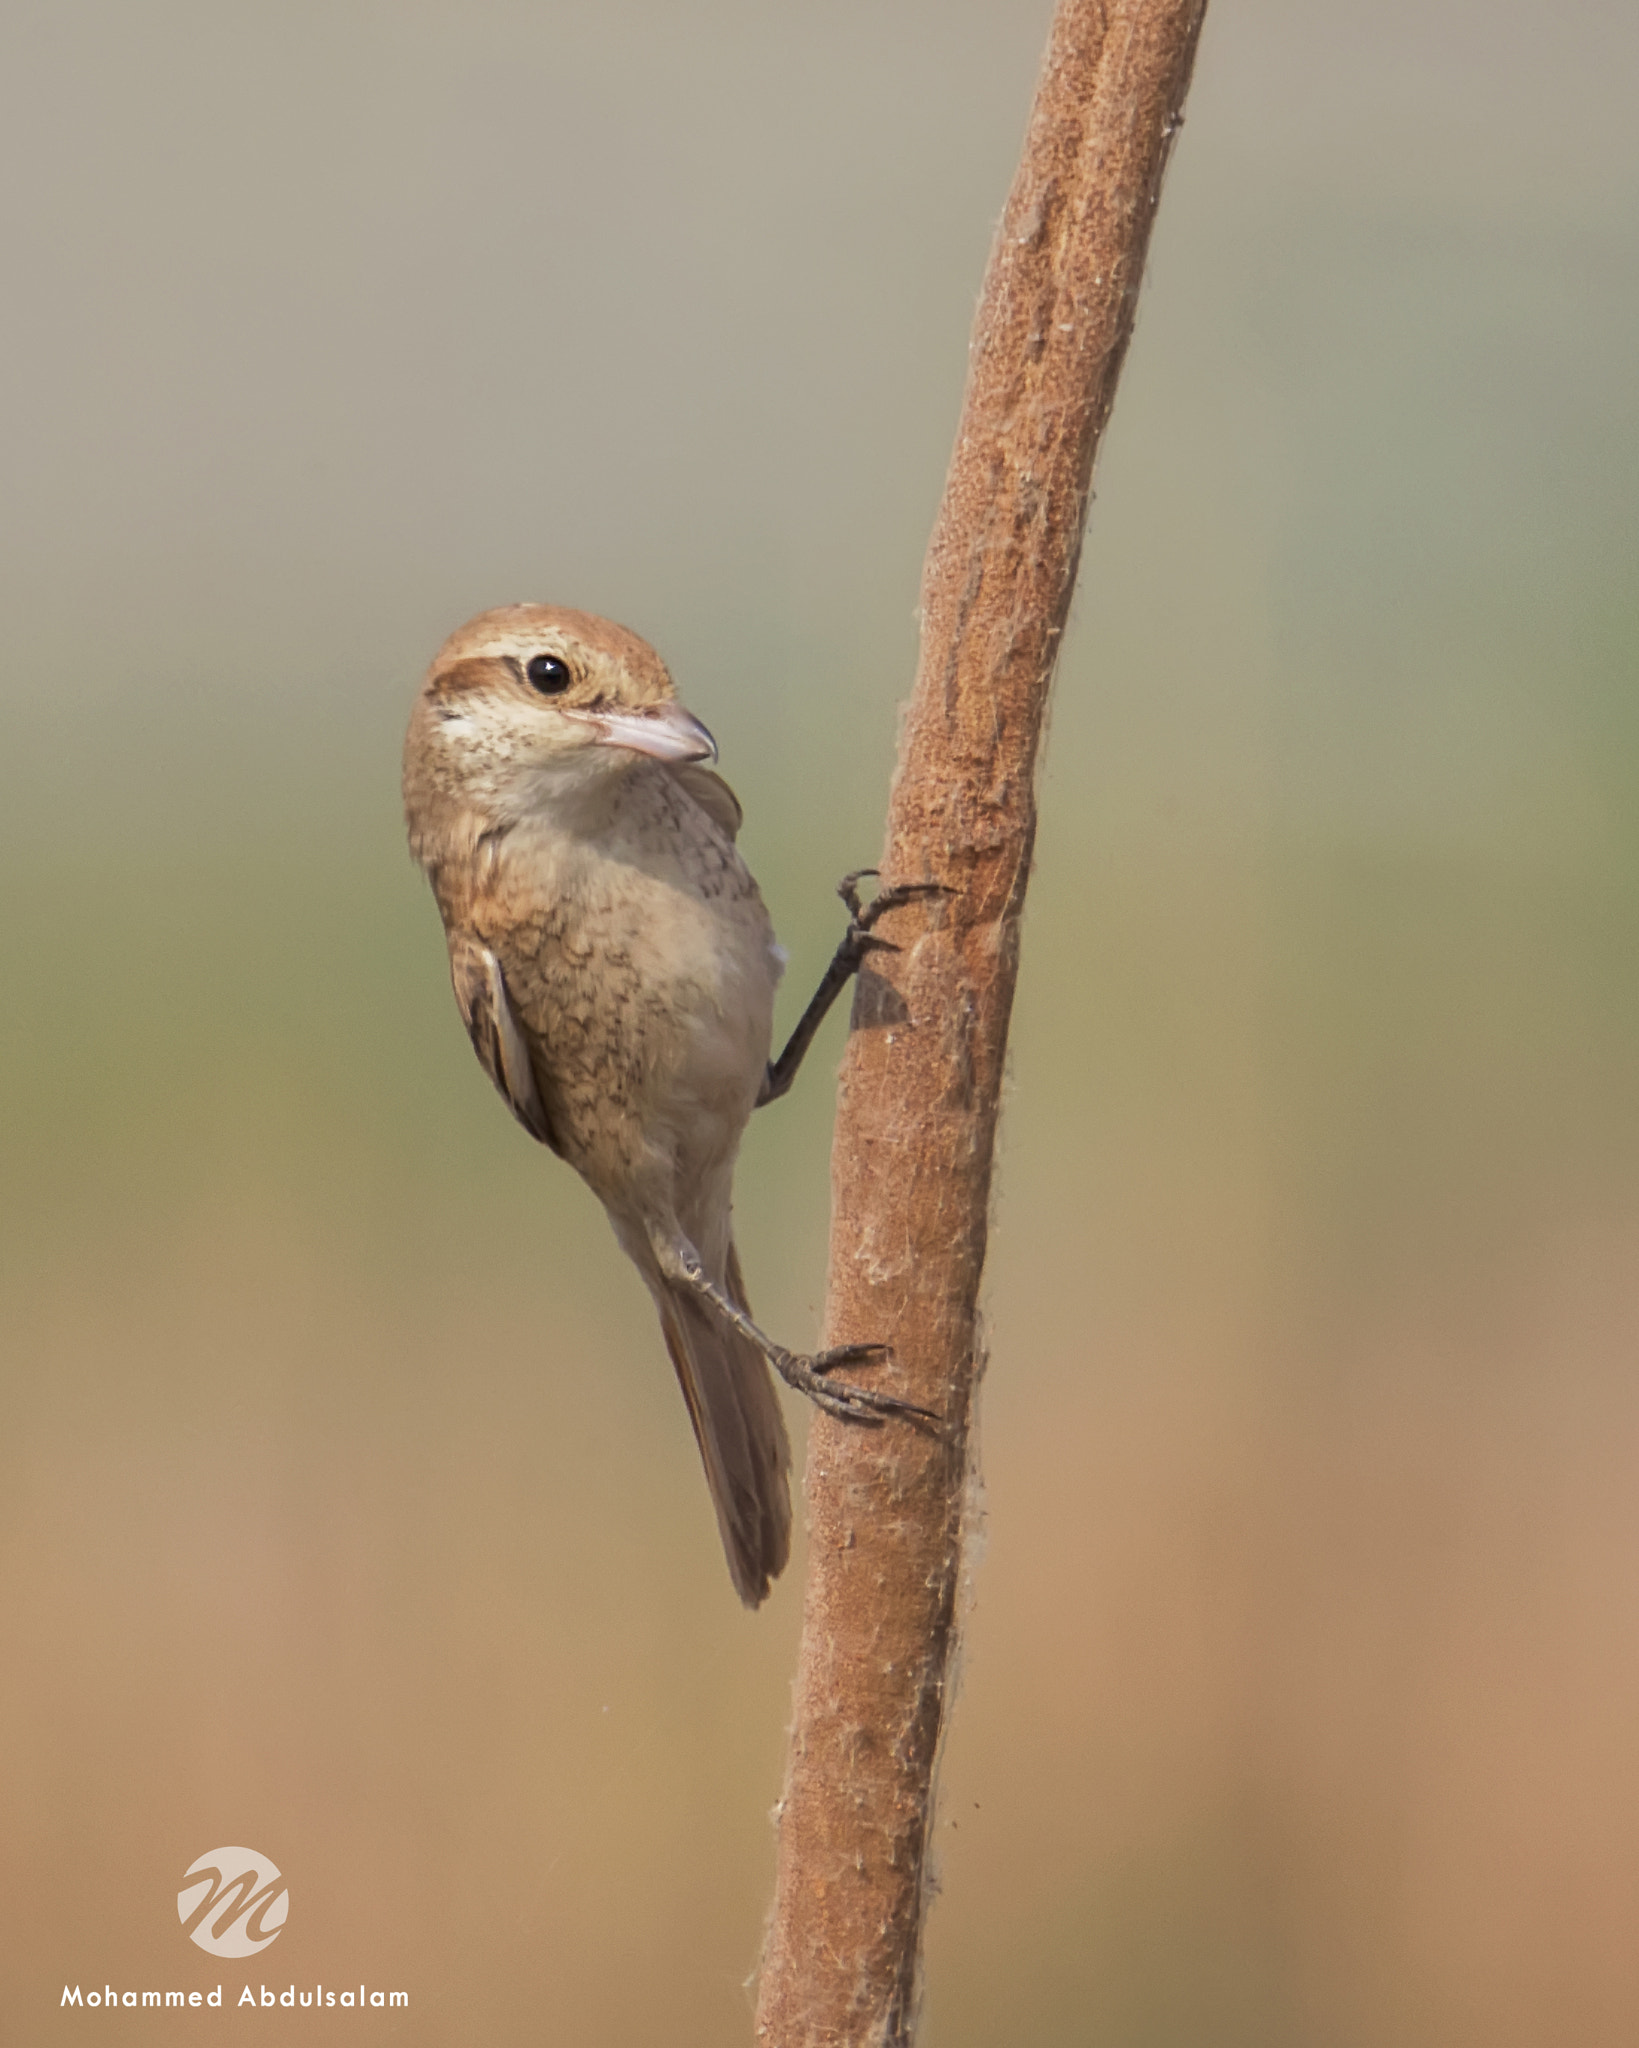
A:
(642, 965)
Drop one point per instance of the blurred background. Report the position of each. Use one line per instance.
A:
(349, 1510)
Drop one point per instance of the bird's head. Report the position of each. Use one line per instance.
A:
(533, 705)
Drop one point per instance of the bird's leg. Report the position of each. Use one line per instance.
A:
(681, 1264)
(858, 940)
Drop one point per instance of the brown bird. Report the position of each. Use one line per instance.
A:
(615, 968)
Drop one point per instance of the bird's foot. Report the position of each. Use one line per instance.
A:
(860, 937)
(855, 1404)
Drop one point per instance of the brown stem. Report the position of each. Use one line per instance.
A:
(922, 1078)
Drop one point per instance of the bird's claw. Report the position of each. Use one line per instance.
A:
(862, 916)
(859, 940)
(850, 1354)
(852, 1404)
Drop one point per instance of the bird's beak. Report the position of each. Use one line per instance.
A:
(665, 731)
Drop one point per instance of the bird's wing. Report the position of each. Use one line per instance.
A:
(492, 1025)
(711, 793)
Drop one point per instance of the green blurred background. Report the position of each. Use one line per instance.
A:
(349, 1509)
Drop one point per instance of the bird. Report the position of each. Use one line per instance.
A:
(616, 968)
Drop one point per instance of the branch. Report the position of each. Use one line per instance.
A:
(921, 1081)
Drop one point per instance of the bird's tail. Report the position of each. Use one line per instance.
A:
(739, 1428)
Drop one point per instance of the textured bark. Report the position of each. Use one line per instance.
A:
(922, 1078)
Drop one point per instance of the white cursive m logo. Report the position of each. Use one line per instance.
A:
(233, 1902)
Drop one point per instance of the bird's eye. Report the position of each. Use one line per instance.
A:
(548, 674)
